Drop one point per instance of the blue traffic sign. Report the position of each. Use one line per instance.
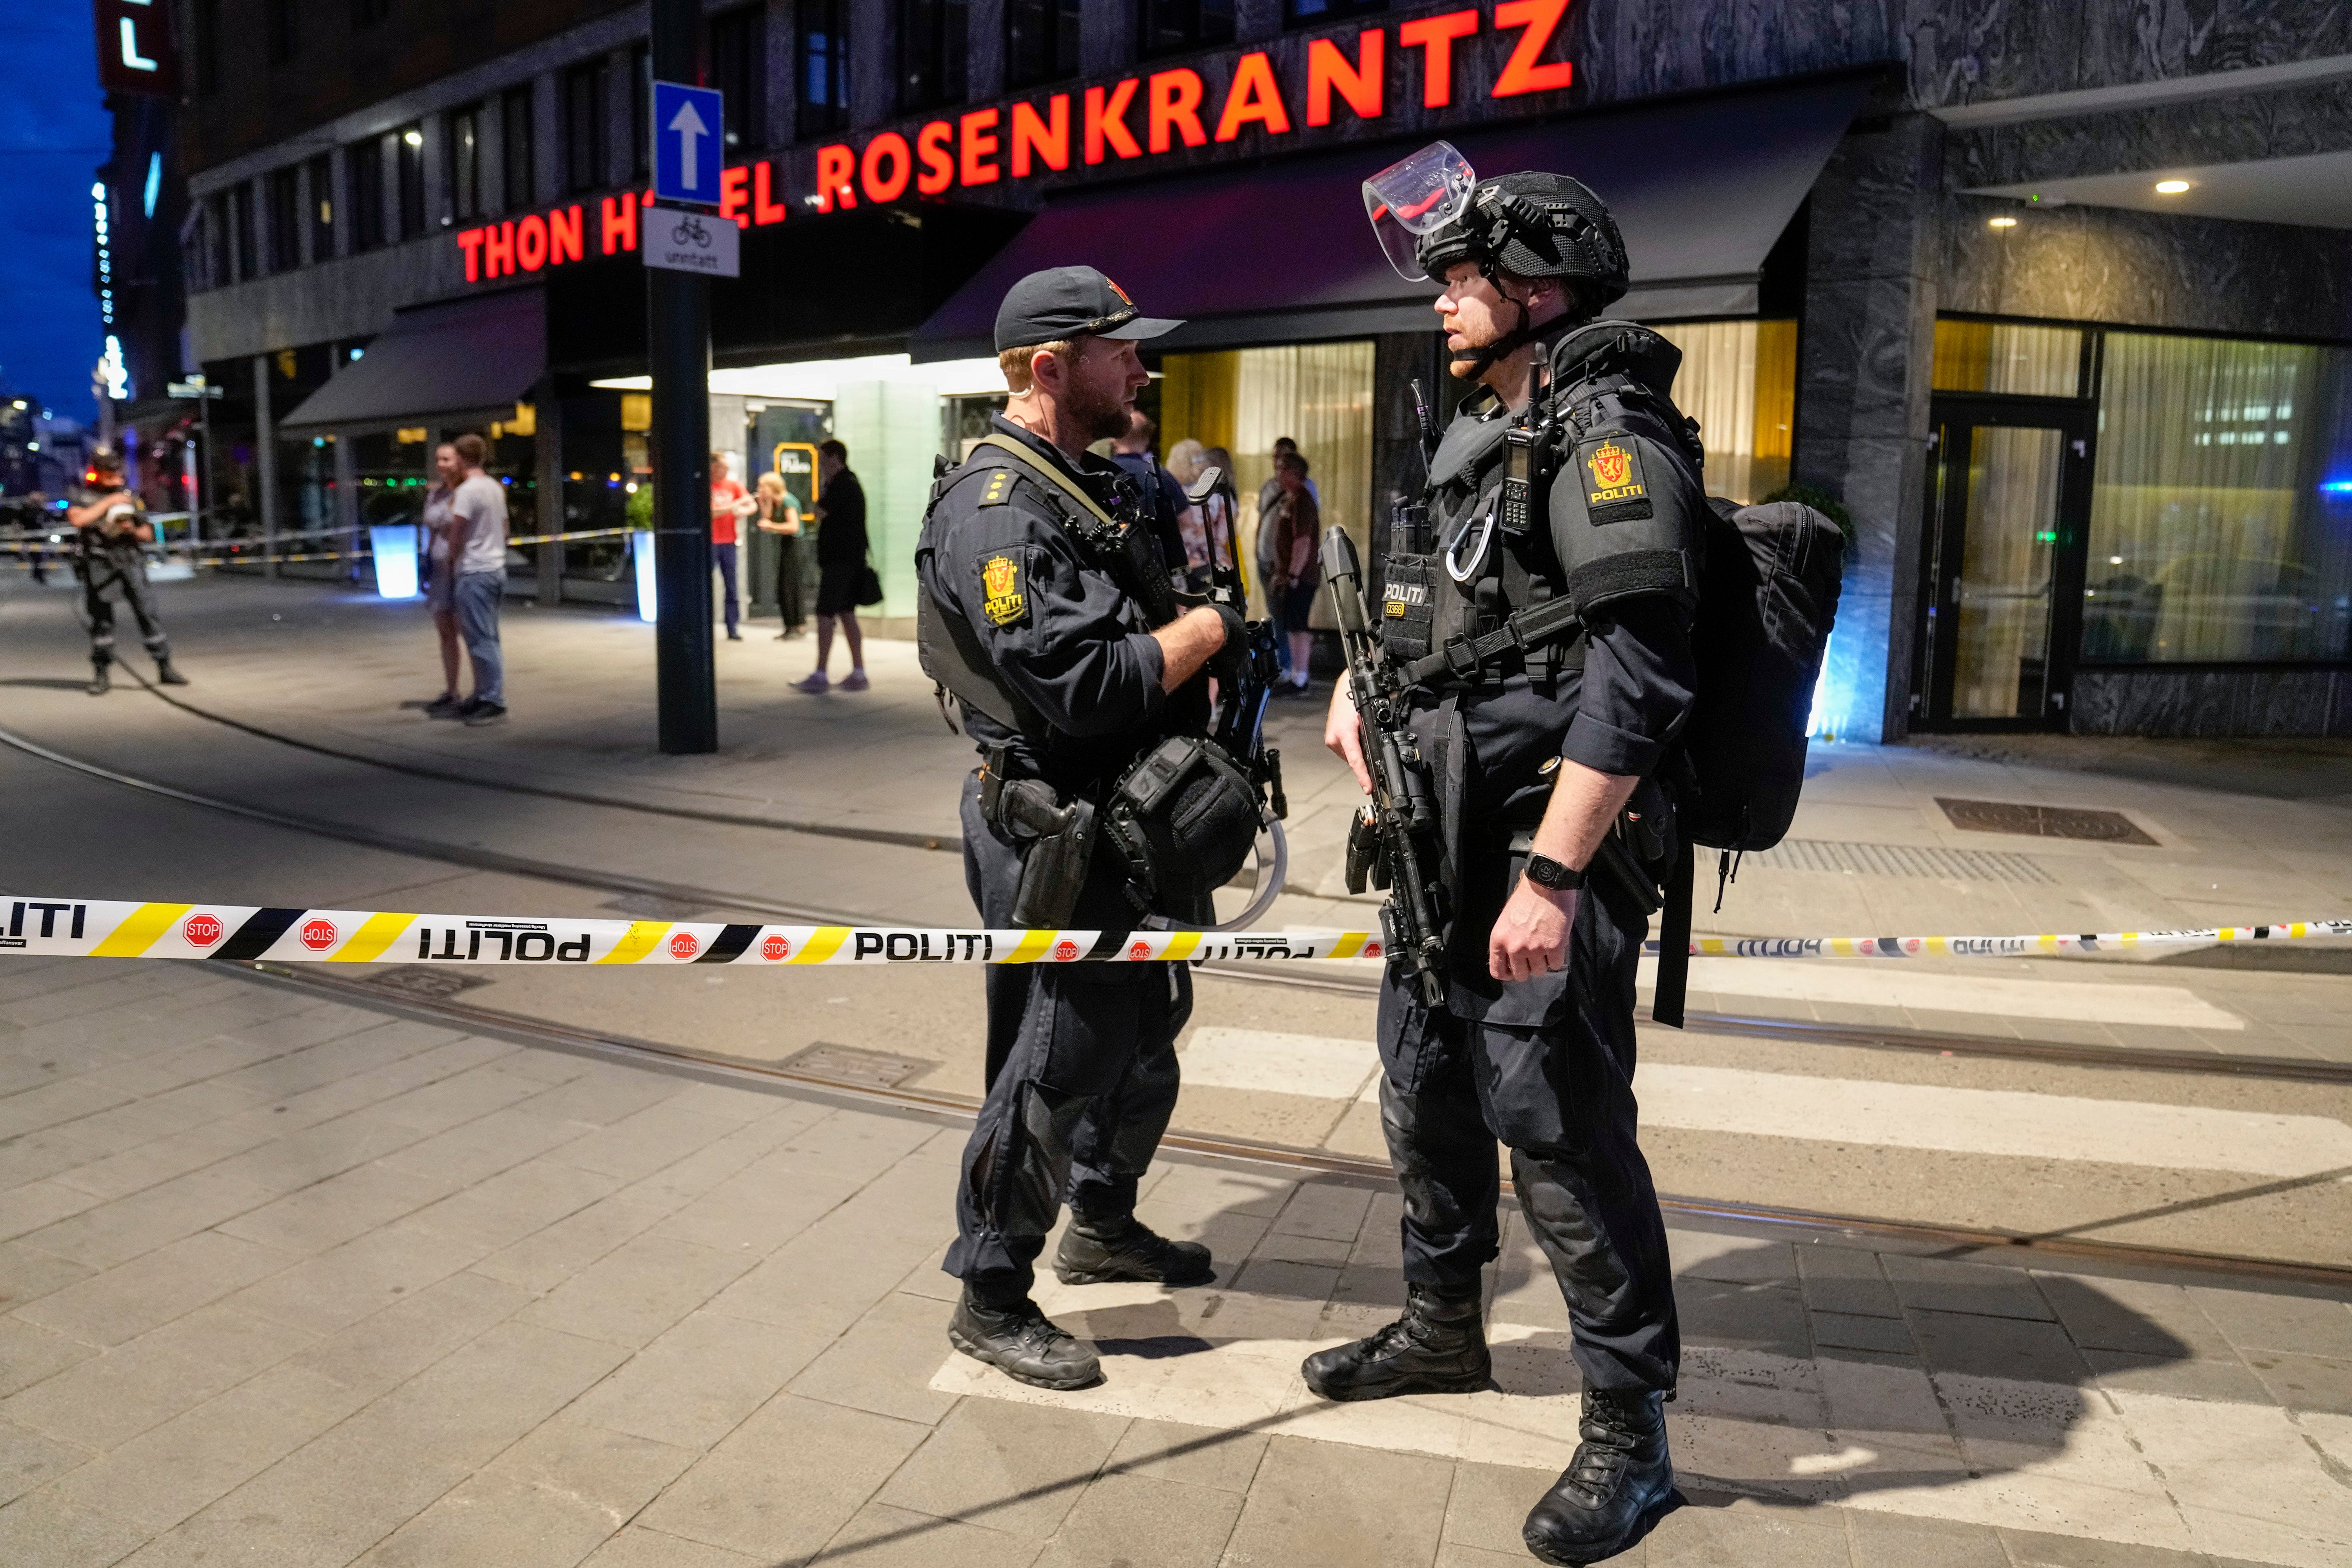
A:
(690, 135)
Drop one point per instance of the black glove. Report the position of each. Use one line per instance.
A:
(1226, 662)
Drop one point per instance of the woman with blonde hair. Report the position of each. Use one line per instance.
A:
(780, 519)
(1208, 526)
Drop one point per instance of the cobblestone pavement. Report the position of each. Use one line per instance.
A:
(288, 1282)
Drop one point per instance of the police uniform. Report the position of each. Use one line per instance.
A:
(1082, 1059)
(108, 564)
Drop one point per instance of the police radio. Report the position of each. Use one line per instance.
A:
(1531, 457)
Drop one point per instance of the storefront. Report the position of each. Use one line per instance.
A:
(2021, 312)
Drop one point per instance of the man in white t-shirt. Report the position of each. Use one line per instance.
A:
(477, 556)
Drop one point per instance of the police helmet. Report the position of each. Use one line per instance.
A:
(1535, 225)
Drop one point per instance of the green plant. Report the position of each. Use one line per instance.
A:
(1822, 501)
(640, 508)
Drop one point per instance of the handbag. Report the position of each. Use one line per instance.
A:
(869, 584)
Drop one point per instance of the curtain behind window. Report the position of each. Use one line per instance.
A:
(1739, 380)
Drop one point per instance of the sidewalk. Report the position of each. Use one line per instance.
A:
(2235, 832)
(297, 1283)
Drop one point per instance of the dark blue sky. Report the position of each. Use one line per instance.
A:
(53, 133)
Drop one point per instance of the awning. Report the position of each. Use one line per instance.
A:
(466, 360)
(1280, 252)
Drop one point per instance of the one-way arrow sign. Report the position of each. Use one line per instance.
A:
(689, 142)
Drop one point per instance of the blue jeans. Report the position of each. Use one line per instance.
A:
(479, 595)
(723, 557)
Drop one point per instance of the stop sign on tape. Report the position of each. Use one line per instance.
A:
(776, 949)
(685, 944)
(319, 935)
(201, 931)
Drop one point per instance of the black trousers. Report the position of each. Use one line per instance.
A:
(1082, 1081)
(788, 580)
(1560, 1097)
(97, 601)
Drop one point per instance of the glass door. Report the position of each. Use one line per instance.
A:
(2002, 579)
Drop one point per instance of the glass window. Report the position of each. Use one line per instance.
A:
(2009, 357)
(465, 155)
(931, 46)
(641, 97)
(285, 209)
(738, 69)
(2221, 505)
(519, 148)
(1169, 27)
(1315, 12)
(584, 126)
(408, 159)
(241, 223)
(1739, 380)
(825, 67)
(219, 267)
(366, 159)
(322, 208)
(1040, 41)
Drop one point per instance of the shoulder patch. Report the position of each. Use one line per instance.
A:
(1002, 603)
(1615, 489)
(998, 490)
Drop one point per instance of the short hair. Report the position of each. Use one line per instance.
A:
(1291, 459)
(1285, 444)
(1141, 426)
(472, 450)
(833, 449)
(718, 456)
(1015, 363)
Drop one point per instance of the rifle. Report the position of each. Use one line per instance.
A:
(1393, 839)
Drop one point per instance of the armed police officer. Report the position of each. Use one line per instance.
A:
(112, 535)
(1535, 636)
(1048, 612)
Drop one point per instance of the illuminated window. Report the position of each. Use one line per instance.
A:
(1739, 380)
(321, 175)
(408, 147)
(2008, 357)
(462, 140)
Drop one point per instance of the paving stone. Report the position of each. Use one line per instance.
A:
(546, 1502)
(346, 1283)
(1490, 1503)
(1147, 1522)
(828, 1277)
(338, 1209)
(601, 1094)
(544, 1259)
(41, 1531)
(103, 1402)
(1844, 1330)
(27, 1274)
(2032, 1548)
(28, 1459)
(107, 1234)
(760, 1493)
(637, 1146)
(39, 1205)
(1845, 1280)
(486, 1145)
(1999, 1347)
(1914, 1542)
(1737, 1260)
(1713, 1529)
(885, 1360)
(2302, 1324)
(505, 1208)
(1011, 1466)
(761, 1208)
(123, 1303)
(1298, 1281)
(387, 1348)
(52, 1151)
(327, 1503)
(1747, 1317)
(879, 1536)
(637, 1547)
(2129, 1315)
(29, 1352)
(150, 1164)
(1197, 1456)
(635, 1292)
(1943, 1285)
(1328, 1209)
(699, 1380)
(2304, 1381)
(1325, 1503)
(2189, 1378)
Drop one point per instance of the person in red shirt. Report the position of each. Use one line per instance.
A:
(730, 503)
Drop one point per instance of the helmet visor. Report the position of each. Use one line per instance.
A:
(1413, 196)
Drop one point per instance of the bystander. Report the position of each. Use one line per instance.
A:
(478, 557)
(730, 504)
(1163, 496)
(1296, 522)
(779, 517)
(441, 576)
(841, 565)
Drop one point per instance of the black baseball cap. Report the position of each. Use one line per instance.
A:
(1069, 302)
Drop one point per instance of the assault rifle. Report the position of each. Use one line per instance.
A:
(1393, 839)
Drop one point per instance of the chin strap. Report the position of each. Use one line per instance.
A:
(1481, 360)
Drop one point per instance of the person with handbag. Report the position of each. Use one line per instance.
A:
(845, 578)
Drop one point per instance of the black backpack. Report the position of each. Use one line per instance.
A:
(1768, 596)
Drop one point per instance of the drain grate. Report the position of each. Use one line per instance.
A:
(427, 984)
(2043, 821)
(1901, 860)
(859, 1069)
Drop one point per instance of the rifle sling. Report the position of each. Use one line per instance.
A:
(1465, 659)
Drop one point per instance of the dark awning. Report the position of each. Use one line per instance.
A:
(1281, 253)
(466, 360)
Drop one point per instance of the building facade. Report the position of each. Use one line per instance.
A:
(2052, 300)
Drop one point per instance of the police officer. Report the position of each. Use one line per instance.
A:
(1065, 683)
(111, 533)
(1543, 758)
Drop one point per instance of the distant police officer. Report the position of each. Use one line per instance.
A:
(110, 557)
(1541, 756)
(1037, 563)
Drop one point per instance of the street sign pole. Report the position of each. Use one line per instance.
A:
(677, 320)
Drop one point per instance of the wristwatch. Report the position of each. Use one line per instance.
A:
(1546, 872)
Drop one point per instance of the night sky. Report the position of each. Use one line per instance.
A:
(54, 133)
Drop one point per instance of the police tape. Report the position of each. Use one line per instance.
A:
(90, 928)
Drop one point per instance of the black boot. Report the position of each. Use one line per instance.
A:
(1096, 1252)
(1023, 1343)
(101, 682)
(1613, 1489)
(167, 675)
(1439, 1346)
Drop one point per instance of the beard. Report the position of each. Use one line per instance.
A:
(1101, 414)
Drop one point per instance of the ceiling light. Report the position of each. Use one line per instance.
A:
(2000, 223)
(415, 139)
(2170, 187)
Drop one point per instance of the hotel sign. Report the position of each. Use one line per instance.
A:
(1137, 119)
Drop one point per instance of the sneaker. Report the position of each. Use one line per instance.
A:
(1023, 1343)
(814, 681)
(734, 636)
(449, 705)
(855, 681)
(1129, 1250)
(479, 713)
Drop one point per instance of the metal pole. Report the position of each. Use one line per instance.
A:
(678, 321)
(265, 454)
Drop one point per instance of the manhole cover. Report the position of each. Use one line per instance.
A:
(859, 1069)
(424, 984)
(654, 907)
(2042, 821)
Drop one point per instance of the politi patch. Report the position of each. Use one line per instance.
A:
(1002, 601)
(1612, 472)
